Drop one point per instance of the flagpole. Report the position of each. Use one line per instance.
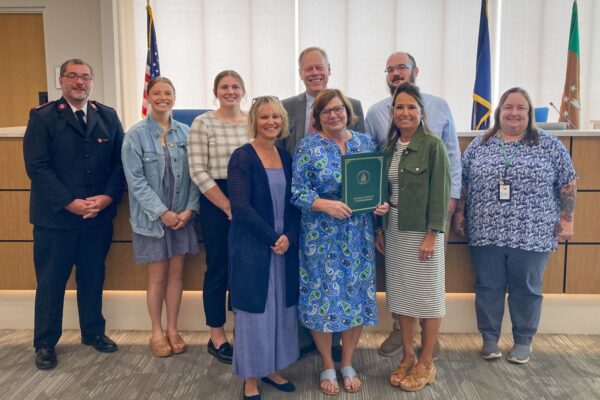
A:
(482, 92)
(152, 63)
(570, 106)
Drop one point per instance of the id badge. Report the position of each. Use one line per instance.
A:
(504, 191)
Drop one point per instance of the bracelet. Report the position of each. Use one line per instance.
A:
(379, 231)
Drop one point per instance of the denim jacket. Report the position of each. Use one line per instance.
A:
(424, 183)
(144, 164)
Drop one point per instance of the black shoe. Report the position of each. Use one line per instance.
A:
(45, 358)
(224, 353)
(253, 397)
(306, 350)
(284, 387)
(336, 353)
(101, 343)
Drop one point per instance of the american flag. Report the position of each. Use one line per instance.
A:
(152, 64)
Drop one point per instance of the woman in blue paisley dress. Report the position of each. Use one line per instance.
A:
(520, 187)
(337, 257)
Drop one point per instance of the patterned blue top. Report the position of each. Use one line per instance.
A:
(337, 257)
(536, 175)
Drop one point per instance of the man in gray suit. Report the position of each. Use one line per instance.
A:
(314, 69)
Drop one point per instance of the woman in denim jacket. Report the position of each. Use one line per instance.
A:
(162, 200)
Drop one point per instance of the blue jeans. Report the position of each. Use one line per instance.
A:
(520, 272)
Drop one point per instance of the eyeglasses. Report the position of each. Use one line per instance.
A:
(519, 108)
(72, 77)
(338, 110)
(399, 67)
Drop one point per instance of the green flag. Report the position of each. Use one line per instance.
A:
(570, 106)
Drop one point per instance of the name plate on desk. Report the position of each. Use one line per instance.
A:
(364, 181)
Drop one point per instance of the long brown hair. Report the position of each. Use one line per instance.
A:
(532, 135)
(412, 90)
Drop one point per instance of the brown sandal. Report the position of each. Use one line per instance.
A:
(398, 375)
(161, 347)
(419, 377)
(177, 344)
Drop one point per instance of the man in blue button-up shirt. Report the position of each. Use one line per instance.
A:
(402, 67)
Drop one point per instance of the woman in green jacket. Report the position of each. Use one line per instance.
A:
(419, 184)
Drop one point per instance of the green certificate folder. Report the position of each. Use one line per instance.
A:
(364, 181)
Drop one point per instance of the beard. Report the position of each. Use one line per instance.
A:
(411, 79)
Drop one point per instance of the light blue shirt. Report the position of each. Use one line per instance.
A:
(440, 121)
(310, 101)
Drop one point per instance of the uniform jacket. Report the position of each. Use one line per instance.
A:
(252, 232)
(144, 163)
(296, 109)
(65, 163)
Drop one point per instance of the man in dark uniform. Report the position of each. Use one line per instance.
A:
(72, 150)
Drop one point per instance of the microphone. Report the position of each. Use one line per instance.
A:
(569, 123)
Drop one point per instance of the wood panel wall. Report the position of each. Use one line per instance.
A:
(25, 75)
(574, 268)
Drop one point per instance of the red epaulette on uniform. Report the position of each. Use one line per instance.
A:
(42, 105)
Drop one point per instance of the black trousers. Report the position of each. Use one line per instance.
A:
(55, 251)
(215, 231)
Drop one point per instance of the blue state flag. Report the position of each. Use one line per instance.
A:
(482, 92)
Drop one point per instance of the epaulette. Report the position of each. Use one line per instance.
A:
(96, 105)
(42, 105)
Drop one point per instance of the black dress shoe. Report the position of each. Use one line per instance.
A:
(336, 353)
(101, 343)
(224, 353)
(251, 397)
(284, 387)
(45, 358)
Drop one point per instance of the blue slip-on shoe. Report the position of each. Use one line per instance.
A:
(284, 387)
(490, 350)
(519, 354)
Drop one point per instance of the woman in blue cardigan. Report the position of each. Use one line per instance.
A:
(263, 253)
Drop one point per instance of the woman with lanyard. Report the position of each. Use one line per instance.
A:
(518, 201)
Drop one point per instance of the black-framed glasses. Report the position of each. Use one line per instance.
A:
(399, 67)
(338, 110)
(72, 77)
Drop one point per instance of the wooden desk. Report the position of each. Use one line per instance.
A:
(574, 268)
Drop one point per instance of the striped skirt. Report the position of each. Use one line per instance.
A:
(414, 288)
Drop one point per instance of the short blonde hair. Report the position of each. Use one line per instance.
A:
(277, 107)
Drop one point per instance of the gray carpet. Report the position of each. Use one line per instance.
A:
(562, 367)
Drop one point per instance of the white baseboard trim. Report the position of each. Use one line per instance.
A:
(565, 314)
